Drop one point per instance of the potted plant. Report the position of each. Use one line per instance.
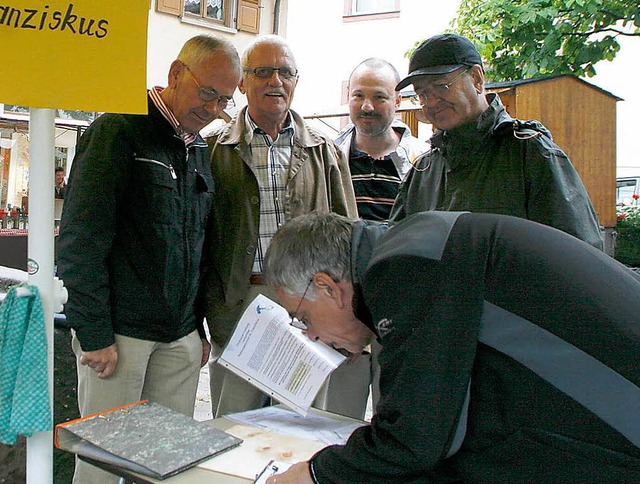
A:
(627, 248)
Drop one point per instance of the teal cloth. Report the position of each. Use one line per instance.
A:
(24, 389)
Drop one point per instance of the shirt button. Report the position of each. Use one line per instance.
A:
(255, 200)
(250, 249)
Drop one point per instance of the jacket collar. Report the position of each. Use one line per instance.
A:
(233, 132)
(405, 146)
(347, 132)
(161, 121)
(363, 241)
(491, 121)
(424, 234)
(471, 138)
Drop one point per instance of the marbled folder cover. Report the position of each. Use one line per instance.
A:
(143, 437)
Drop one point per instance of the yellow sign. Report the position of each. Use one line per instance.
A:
(88, 55)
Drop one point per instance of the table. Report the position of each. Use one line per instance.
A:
(13, 248)
(241, 464)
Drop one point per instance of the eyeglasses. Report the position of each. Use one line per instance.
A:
(266, 72)
(209, 95)
(295, 322)
(437, 90)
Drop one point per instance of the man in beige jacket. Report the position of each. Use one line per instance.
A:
(269, 166)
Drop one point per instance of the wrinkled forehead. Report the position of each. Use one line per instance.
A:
(271, 55)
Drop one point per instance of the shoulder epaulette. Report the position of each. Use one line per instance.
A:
(521, 129)
(527, 129)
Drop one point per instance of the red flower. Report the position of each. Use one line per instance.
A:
(622, 216)
(635, 196)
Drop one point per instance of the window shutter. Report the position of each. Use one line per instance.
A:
(174, 7)
(249, 16)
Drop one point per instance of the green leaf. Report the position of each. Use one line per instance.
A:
(521, 38)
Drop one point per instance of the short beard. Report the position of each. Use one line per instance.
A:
(373, 131)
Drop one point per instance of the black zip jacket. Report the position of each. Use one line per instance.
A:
(132, 229)
(426, 287)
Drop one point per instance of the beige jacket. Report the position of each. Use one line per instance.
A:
(319, 180)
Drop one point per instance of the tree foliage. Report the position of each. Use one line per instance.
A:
(532, 38)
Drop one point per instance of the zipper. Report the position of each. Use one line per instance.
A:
(186, 230)
(156, 162)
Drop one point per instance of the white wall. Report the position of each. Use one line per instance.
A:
(167, 34)
(327, 49)
(621, 77)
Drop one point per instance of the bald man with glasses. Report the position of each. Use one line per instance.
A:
(269, 167)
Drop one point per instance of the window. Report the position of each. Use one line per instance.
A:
(626, 188)
(355, 10)
(215, 10)
(373, 6)
(229, 15)
(60, 156)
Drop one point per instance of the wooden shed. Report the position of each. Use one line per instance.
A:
(582, 121)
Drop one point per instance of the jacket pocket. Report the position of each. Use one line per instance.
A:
(158, 190)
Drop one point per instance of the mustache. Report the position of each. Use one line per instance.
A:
(363, 114)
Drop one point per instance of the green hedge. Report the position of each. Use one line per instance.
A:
(628, 245)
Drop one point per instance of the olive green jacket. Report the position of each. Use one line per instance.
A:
(500, 165)
(319, 180)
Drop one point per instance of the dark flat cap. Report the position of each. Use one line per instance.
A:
(441, 54)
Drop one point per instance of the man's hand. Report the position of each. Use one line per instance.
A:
(296, 474)
(206, 352)
(103, 361)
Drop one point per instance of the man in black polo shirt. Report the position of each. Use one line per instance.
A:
(381, 148)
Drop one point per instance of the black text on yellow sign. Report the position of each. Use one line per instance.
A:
(81, 48)
(46, 19)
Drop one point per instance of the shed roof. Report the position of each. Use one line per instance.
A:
(520, 82)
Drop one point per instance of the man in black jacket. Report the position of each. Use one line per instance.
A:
(509, 348)
(131, 240)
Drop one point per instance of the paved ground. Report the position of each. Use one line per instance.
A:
(202, 410)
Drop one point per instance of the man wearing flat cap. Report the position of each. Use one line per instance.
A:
(481, 159)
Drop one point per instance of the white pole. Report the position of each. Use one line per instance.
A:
(40, 267)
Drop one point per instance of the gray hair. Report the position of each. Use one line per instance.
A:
(306, 245)
(198, 48)
(377, 63)
(270, 39)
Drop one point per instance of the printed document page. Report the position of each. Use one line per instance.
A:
(279, 359)
(327, 428)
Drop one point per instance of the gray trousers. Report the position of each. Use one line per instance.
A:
(166, 373)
